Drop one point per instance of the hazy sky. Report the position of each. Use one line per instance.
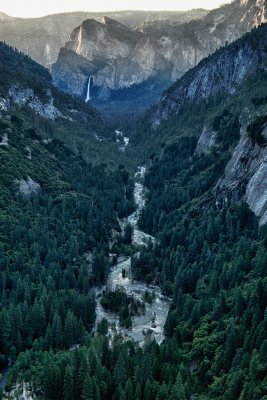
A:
(35, 8)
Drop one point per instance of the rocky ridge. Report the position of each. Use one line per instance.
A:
(42, 38)
(22, 97)
(224, 72)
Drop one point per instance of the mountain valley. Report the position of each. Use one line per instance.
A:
(133, 207)
(142, 62)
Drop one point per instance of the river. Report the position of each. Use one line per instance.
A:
(151, 323)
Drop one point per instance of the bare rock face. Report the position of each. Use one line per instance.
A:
(245, 177)
(91, 50)
(114, 55)
(107, 40)
(206, 140)
(256, 191)
(142, 62)
(223, 72)
(27, 188)
(21, 96)
(4, 141)
(27, 97)
(42, 38)
(119, 58)
(4, 104)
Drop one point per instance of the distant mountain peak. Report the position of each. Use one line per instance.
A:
(49, 34)
(150, 57)
(222, 72)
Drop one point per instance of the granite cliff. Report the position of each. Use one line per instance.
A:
(245, 174)
(150, 57)
(223, 72)
(227, 77)
(42, 38)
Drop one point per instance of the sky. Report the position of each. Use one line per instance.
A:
(37, 8)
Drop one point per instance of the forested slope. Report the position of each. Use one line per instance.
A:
(56, 210)
(211, 256)
(27, 86)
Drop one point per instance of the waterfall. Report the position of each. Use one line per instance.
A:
(88, 93)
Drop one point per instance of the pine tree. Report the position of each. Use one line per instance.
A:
(87, 390)
(128, 233)
(70, 328)
(129, 390)
(230, 346)
(163, 392)
(57, 332)
(137, 393)
(120, 373)
(68, 388)
(178, 391)
(4, 331)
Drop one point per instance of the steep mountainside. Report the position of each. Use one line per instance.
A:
(41, 38)
(27, 86)
(206, 205)
(233, 78)
(149, 58)
(57, 211)
(223, 72)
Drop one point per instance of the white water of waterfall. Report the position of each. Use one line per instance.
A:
(88, 94)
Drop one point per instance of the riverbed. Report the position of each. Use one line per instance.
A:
(151, 323)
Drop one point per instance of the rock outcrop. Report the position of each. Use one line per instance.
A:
(4, 141)
(42, 38)
(245, 176)
(27, 188)
(23, 97)
(4, 104)
(225, 72)
(93, 47)
(206, 140)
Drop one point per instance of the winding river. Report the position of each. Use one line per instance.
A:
(151, 323)
(148, 325)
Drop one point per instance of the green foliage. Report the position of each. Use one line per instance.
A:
(16, 67)
(45, 280)
(210, 259)
(120, 303)
(102, 327)
(255, 130)
(128, 233)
